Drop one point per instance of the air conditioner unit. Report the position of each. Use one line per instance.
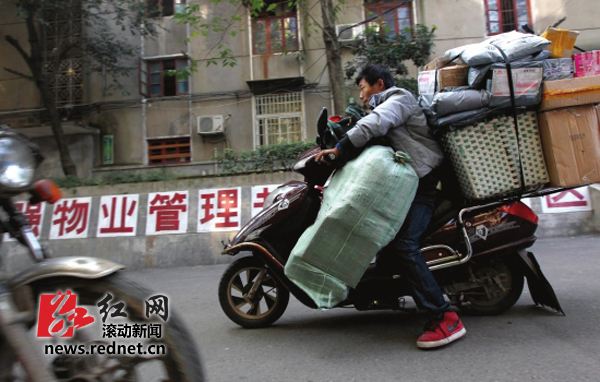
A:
(211, 124)
(348, 32)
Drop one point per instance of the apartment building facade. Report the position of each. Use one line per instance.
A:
(273, 94)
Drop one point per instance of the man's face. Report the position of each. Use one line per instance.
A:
(366, 90)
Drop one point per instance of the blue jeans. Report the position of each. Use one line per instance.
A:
(404, 254)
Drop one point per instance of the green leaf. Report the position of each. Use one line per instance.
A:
(271, 7)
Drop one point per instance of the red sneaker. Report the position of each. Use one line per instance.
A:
(442, 332)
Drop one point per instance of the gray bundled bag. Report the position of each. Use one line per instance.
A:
(558, 69)
(477, 74)
(527, 80)
(515, 45)
(458, 101)
(464, 118)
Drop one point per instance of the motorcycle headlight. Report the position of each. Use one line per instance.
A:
(17, 163)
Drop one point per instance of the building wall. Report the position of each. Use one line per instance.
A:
(581, 16)
(467, 23)
(224, 91)
(82, 147)
(15, 92)
(146, 250)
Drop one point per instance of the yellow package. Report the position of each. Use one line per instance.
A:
(562, 41)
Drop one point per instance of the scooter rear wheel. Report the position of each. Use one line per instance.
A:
(250, 296)
(502, 285)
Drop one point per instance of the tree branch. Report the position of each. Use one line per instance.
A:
(17, 46)
(25, 76)
(307, 12)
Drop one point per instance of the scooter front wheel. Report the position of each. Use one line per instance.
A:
(250, 295)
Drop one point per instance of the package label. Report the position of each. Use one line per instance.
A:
(527, 82)
(427, 82)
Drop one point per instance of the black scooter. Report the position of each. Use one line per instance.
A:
(478, 253)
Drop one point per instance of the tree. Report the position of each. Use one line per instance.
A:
(414, 45)
(224, 26)
(334, 56)
(82, 31)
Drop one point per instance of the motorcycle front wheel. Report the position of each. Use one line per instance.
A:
(180, 361)
(250, 295)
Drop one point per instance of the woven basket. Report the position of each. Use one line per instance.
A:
(486, 160)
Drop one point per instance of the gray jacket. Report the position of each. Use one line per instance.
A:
(398, 117)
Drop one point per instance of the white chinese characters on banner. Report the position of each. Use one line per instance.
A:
(167, 213)
(259, 194)
(34, 214)
(71, 218)
(117, 215)
(219, 209)
(575, 200)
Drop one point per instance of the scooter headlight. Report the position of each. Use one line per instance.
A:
(17, 163)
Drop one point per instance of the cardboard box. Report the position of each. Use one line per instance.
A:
(440, 62)
(433, 81)
(571, 142)
(587, 63)
(562, 41)
(570, 92)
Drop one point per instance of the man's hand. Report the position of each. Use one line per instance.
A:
(324, 156)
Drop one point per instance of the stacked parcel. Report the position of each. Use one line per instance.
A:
(487, 123)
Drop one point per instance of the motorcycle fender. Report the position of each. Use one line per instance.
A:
(540, 289)
(72, 266)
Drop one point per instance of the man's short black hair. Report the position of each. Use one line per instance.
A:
(373, 72)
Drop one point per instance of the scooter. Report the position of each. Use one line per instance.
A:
(89, 279)
(477, 253)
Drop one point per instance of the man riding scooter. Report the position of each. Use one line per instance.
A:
(397, 117)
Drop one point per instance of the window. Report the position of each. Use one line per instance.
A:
(169, 151)
(154, 82)
(506, 15)
(278, 119)
(67, 85)
(275, 31)
(161, 8)
(393, 22)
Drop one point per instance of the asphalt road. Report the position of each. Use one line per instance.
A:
(527, 343)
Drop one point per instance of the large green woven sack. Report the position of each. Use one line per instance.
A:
(363, 209)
